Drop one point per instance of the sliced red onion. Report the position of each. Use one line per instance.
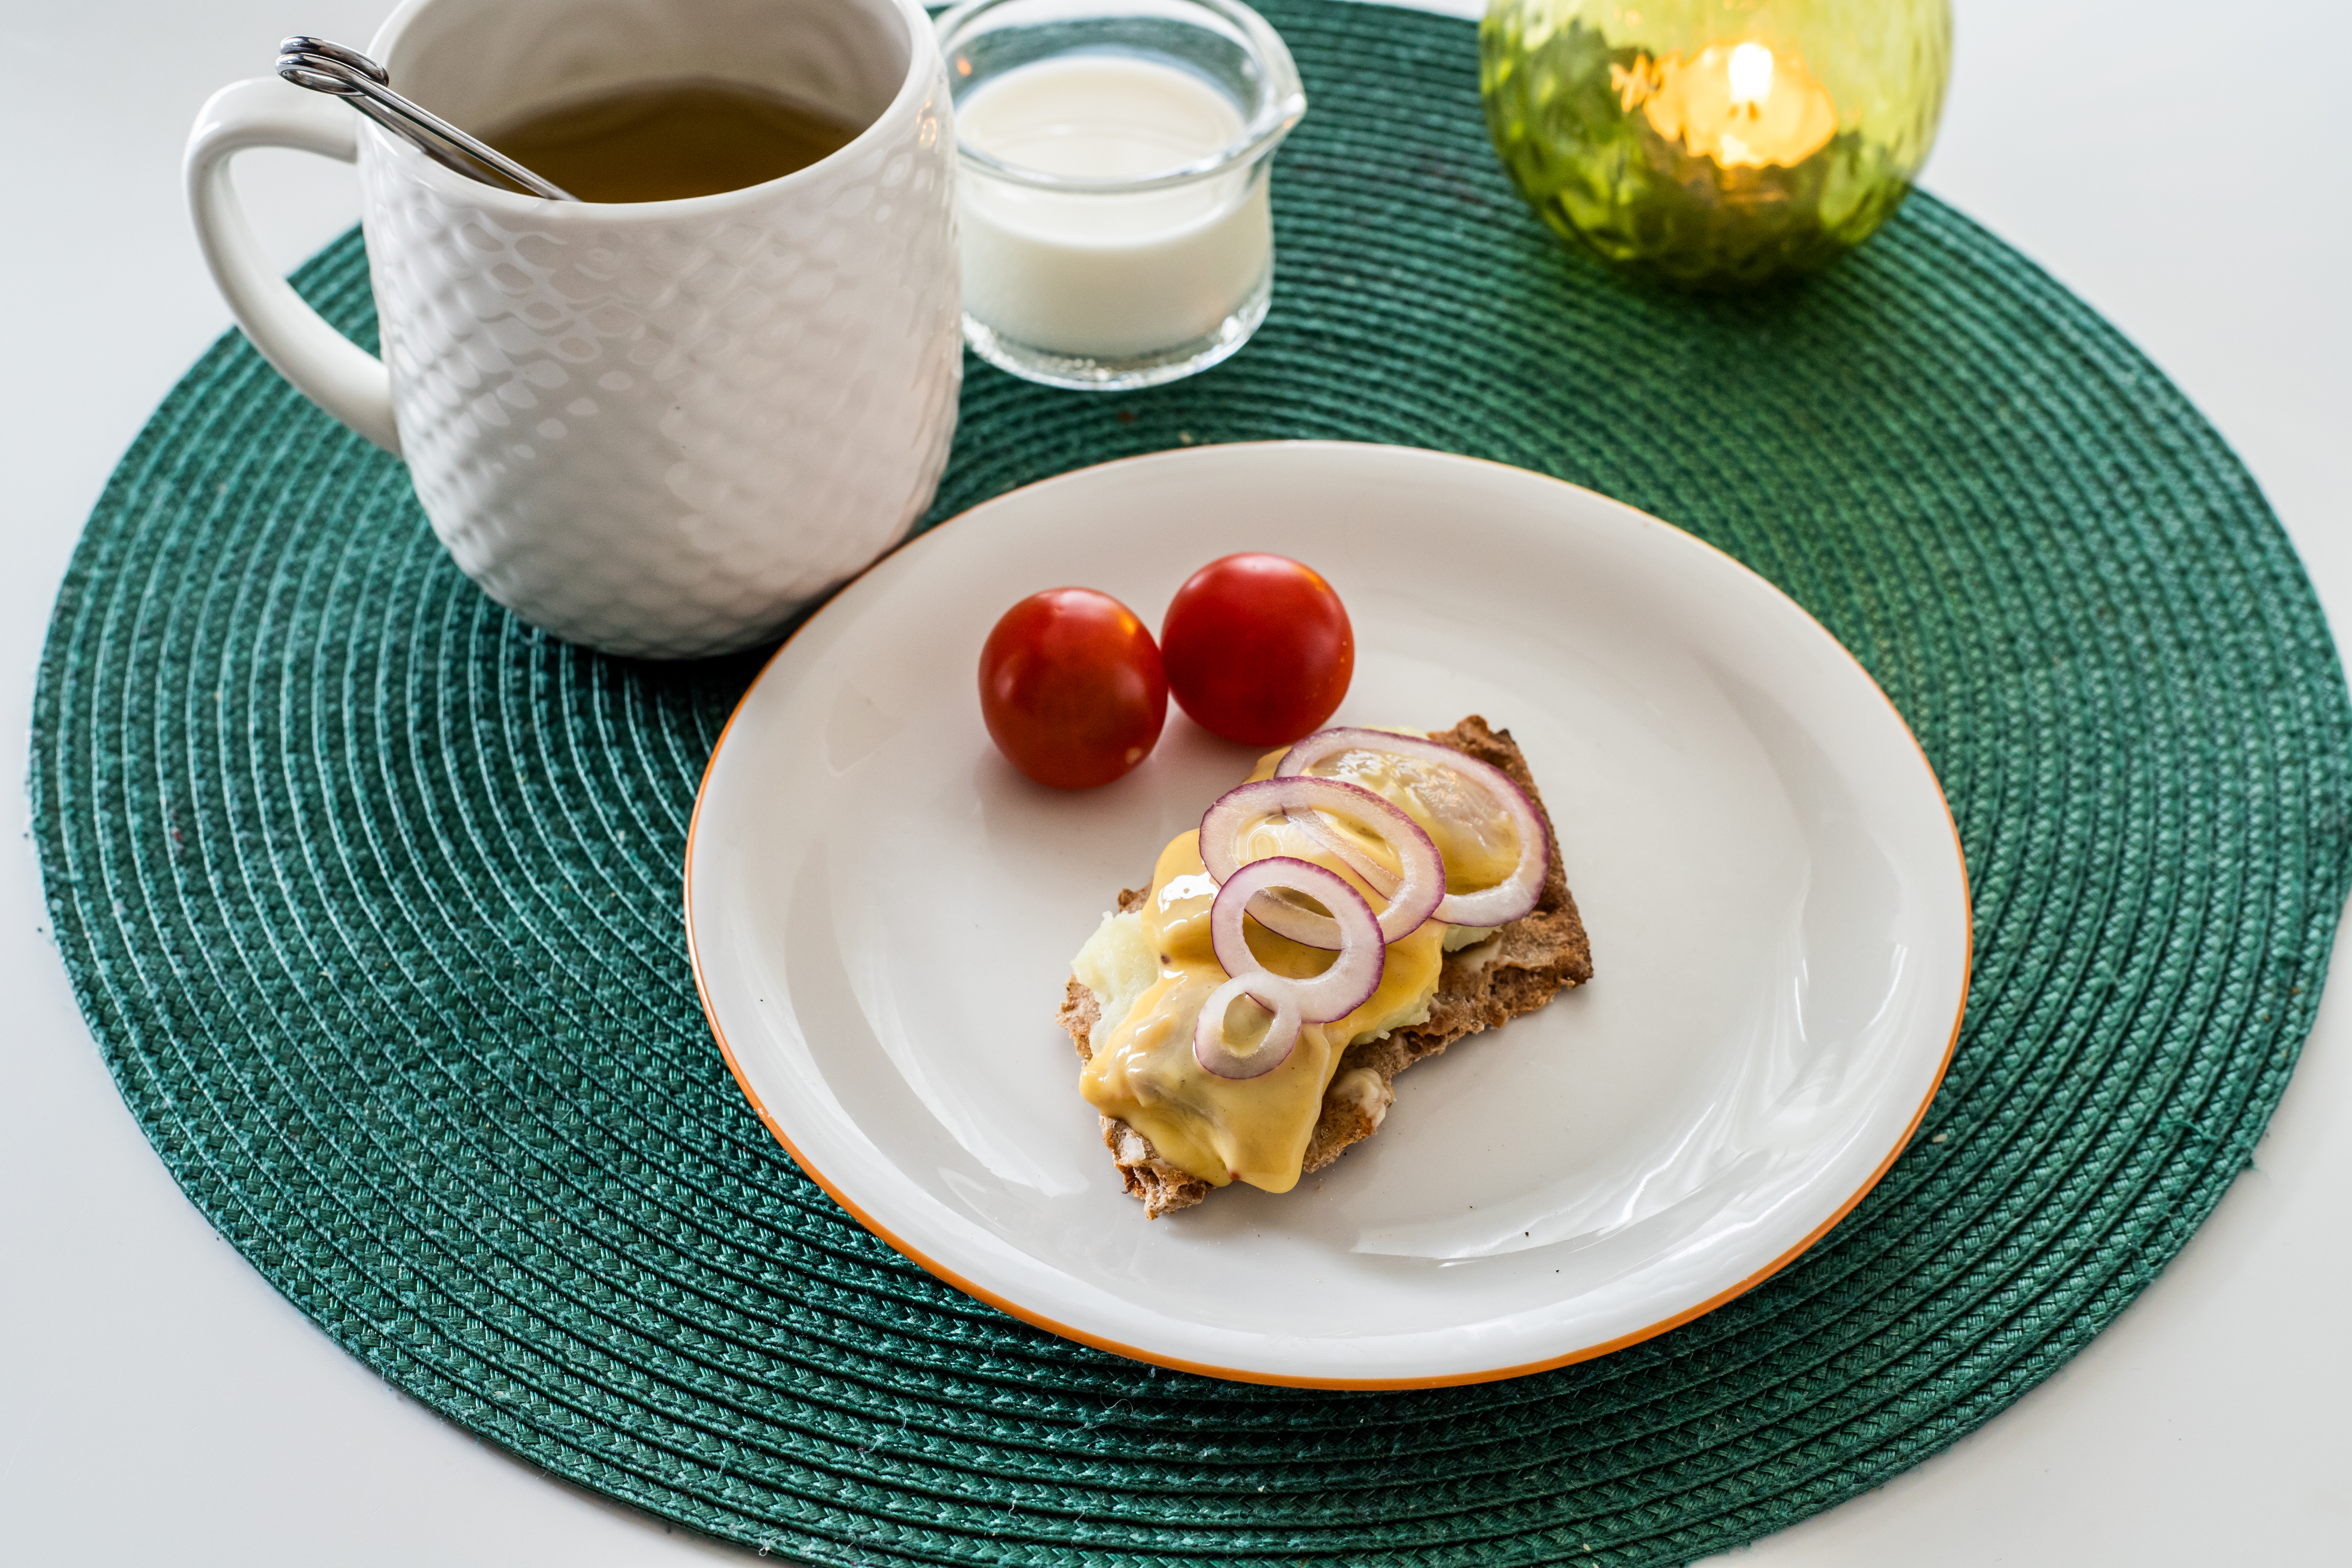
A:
(1215, 1055)
(1338, 991)
(1353, 977)
(1377, 877)
(1508, 900)
(1410, 898)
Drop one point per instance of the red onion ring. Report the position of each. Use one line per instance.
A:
(1209, 1047)
(1377, 877)
(1353, 977)
(1410, 898)
(1508, 900)
(1338, 991)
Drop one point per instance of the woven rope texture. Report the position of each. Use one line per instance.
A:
(370, 895)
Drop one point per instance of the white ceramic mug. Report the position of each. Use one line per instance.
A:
(657, 427)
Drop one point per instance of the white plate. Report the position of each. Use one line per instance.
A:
(882, 915)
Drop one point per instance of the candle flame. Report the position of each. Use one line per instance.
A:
(1751, 76)
(1738, 104)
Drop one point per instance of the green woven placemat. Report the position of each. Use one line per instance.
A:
(372, 898)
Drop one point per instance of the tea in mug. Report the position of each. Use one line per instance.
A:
(665, 140)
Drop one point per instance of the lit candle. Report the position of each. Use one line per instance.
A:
(1740, 104)
(1714, 159)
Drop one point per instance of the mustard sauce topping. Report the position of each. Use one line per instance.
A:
(1479, 844)
(1222, 1128)
(1153, 968)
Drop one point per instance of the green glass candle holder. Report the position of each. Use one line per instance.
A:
(1715, 143)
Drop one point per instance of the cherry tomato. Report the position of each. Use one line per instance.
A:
(1258, 649)
(1071, 686)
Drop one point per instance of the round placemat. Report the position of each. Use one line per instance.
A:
(370, 895)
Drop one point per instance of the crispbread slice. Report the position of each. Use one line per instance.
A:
(1519, 969)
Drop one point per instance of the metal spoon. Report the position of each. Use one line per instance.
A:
(348, 74)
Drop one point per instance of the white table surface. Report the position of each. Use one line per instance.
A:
(2176, 164)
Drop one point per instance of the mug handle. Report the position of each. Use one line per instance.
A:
(329, 368)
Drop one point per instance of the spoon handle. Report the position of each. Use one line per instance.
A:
(322, 66)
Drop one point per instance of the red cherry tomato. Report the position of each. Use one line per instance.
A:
(1071, 687)
(1258, 649)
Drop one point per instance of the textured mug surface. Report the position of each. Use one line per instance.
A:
(660, 428)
